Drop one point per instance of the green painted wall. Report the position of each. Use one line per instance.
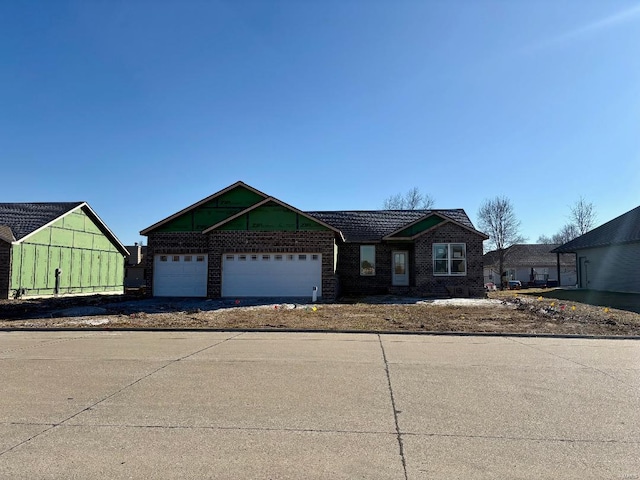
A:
(215, 211)
(421, 226)
(272, 217)
(90, 263)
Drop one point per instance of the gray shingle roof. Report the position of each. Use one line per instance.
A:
(528, 255)
(21, 219)
(623, 229)
(373, 225)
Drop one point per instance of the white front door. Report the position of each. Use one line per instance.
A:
(400, 268)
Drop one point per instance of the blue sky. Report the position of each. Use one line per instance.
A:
(142, 108)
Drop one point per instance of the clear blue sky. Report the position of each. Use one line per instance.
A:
(142, 108)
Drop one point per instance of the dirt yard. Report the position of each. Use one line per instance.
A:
(503, 312)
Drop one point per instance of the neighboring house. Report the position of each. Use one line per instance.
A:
(134, 267)
(532, 264)
(608, 257)
(240, 242)
(57, 248)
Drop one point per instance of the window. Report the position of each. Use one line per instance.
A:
(200, 258)
(289, 257)
(163, 258)
(367, 260)
(314, 257)
(187, 258)
(230, 258)
(449, 259)
(277, 258)
(254, 258)
(242, 258)
(176, 258)
(302, 257)
(266, 257)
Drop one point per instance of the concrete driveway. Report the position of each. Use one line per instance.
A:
(293, 405)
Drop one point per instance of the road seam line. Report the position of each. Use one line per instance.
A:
(116, 393)
(395, 410)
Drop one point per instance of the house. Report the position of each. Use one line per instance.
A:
(608, 257)
(240, 242)
(57, 248)
(531, 264)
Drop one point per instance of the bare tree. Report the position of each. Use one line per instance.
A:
(412, 200)
(581, 219)
(544, 239)
(566, 234)
(583, 216)
(497, 219)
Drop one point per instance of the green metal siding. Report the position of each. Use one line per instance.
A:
(90, 263)
(421, 226)
(212, 212)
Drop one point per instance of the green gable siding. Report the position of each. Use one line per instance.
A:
(89, 261)
(419, 227)
(215, 211)
(272, 217)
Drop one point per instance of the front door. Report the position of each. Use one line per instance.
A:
(400, 268)
(584, 273)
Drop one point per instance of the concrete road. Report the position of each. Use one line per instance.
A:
(122, 405)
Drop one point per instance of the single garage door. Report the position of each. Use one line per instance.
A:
(180, 276)
(271, 275)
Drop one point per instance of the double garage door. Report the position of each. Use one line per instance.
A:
(271, 275)
(243, 275)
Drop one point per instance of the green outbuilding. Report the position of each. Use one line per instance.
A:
(60, 248)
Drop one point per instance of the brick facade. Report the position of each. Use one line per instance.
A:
(217, 243)
(221, 242)
(427, 283)
(5, 269)
(178, 243)
(422, 281)
(348, 270)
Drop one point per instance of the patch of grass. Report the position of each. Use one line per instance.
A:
(622, 301)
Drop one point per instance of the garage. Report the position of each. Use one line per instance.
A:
(180, 276)
(271, 274)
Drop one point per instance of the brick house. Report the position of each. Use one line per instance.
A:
(240, 242)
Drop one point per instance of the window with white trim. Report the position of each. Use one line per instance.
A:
(449, 259)
(367, 260)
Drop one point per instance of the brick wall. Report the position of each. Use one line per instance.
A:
(217, 243)
(422, 282)
(178, 243)
(348, 269)
(221, 242)
(428, 284)
(5, 269)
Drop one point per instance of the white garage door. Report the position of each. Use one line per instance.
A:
(180, 276)
(271, 275)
